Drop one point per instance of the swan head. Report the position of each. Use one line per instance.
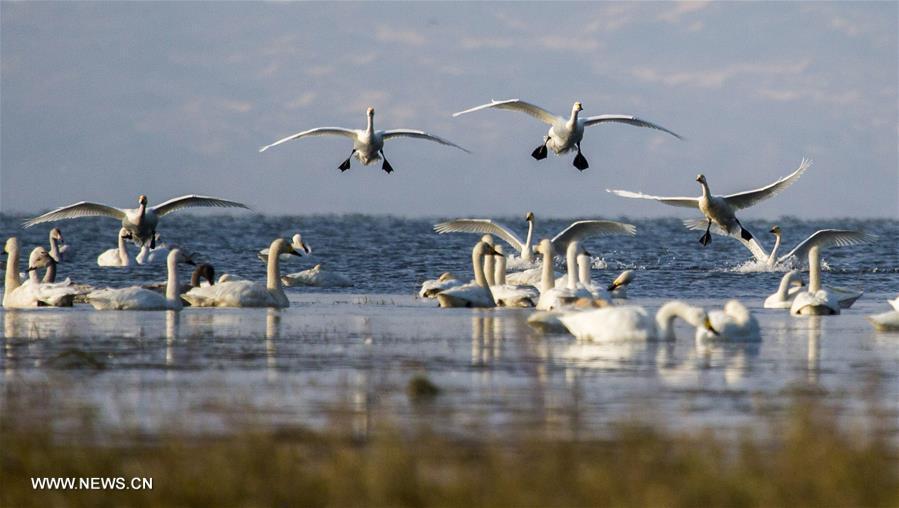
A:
(39, 258)
(370, 111)
(700, 178)
(529, 217)
(577, 106)
(544, 247)
(795, 278)
(124, 233)
(445, 276)
(282, 247)
(775, 230)
(206, 271)
(707, 324)
(625, 278)
(485, 249)
(299, 245)
(488, 239)
(56, 234)
(12, 244)
(142, 200)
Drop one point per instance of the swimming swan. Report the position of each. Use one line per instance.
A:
(476, 293)
(140, 221)
(720, 211)
(316, 277)
(244, 293)
(886, 321)
(59, 249)
(32, 292)
(298, 245)
(510, 295)
(631, 322)
(790, 285)
(564, 133)
(140, 298)
(368, 143)
(430, 288)
(578, 230)
(116, 257)
(734, 323)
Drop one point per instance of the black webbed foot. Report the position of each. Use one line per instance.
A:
(345, 165)
(387, 167)
(539, 153)
(706, 239)
(580, 161)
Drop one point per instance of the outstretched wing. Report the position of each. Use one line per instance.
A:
(82, 209)
(684, 202)
(749, 198)
(482, 226)
(587, 228)
(517, 105)
(828, 238)
(409, 133)
(318, 131)
(628, 119)
(193, 201)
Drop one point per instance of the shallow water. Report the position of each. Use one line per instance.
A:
(353, 350)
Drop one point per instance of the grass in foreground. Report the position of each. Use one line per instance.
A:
(808, 459)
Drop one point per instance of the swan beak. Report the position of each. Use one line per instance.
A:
(306, 249)
(708, 326)
(588, 253)
(191, 262)
(490, 250)
(612, 287)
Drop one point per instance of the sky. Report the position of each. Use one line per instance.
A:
(104, 101)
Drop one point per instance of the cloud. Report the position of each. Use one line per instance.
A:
(410, 37)
(838, 98)
(565, 43)
(302, 101)
(716, 78)
(674, 14)
(489, 42)
(614, 16)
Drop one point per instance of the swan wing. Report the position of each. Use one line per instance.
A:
(409, 133)
(516, 105)
(483, 226)
(628, 119)
(586, 228)
(318, 131)
(684, 202)
(193, 200)
(749, 198)
(829, 238)
(81, 209)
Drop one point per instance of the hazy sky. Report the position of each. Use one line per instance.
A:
(104, 101)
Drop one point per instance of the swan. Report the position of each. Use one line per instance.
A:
(790, 285)
(720, 211)
(632, 322)
(139, 298)
(244, 293)
(510, 295)
(564, 133)
(886, 321)
(59, 249)
(489, 265)
(552, 297)
(116, 257)
(140, 221)
(298, 245)
(316, 277)
(476, 293)
(32, 292)
(368, 143)
(202, 276)
(618, 288)
(894, 303)
(735, 323)
(578, 230)
(430, 288)
(547, 321)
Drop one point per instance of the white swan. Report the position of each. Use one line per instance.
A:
(631, 322)
(552, 297)
(368, 143)
(894, 303)
(618, 288)
(202, 276)
(510, 295)
(578, 230)
(139, 298)
(244, 293)
(476, 293)
(886, 321)
(59, 249)
(296, 241)
(734, 323)
(790, 285)
(140, 221)
(818, 299)
(317, 277)
(32, 292)
(117, 257)
(430, 288)
(564, 133)
(720, 211)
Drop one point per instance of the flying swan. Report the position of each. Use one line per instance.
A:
(141, 221)
(564, 133)
(368, 143)
(720, 211)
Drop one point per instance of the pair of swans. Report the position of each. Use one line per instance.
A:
(565, 134)
(141, 298)
(33, 292)
(368, 143)
(578, 230)
(245, 293)
(476, 293)
(887, 321)
(720, 211)
(141, 222)
(510, 295)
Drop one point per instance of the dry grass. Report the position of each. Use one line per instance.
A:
(807, 459)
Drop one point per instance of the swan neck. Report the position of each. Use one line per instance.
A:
(772, 258)
(665, 318)
(11, 281)
(814, 269)
(195, 279)
(547, 277)
(489, 269)
(573, 120)
(123, 252)
(477, 263)
(571, 261)
(784, 288)
(54, 248)
(50, 274)
(583, 269)
(705, 189)
(499, 277)
(273, 277)
(171, 286)
(370, 128)
(526, 253)
(32, 276)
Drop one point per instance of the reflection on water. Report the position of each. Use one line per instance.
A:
(356, 355)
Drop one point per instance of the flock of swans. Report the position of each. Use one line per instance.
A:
(569, 301)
